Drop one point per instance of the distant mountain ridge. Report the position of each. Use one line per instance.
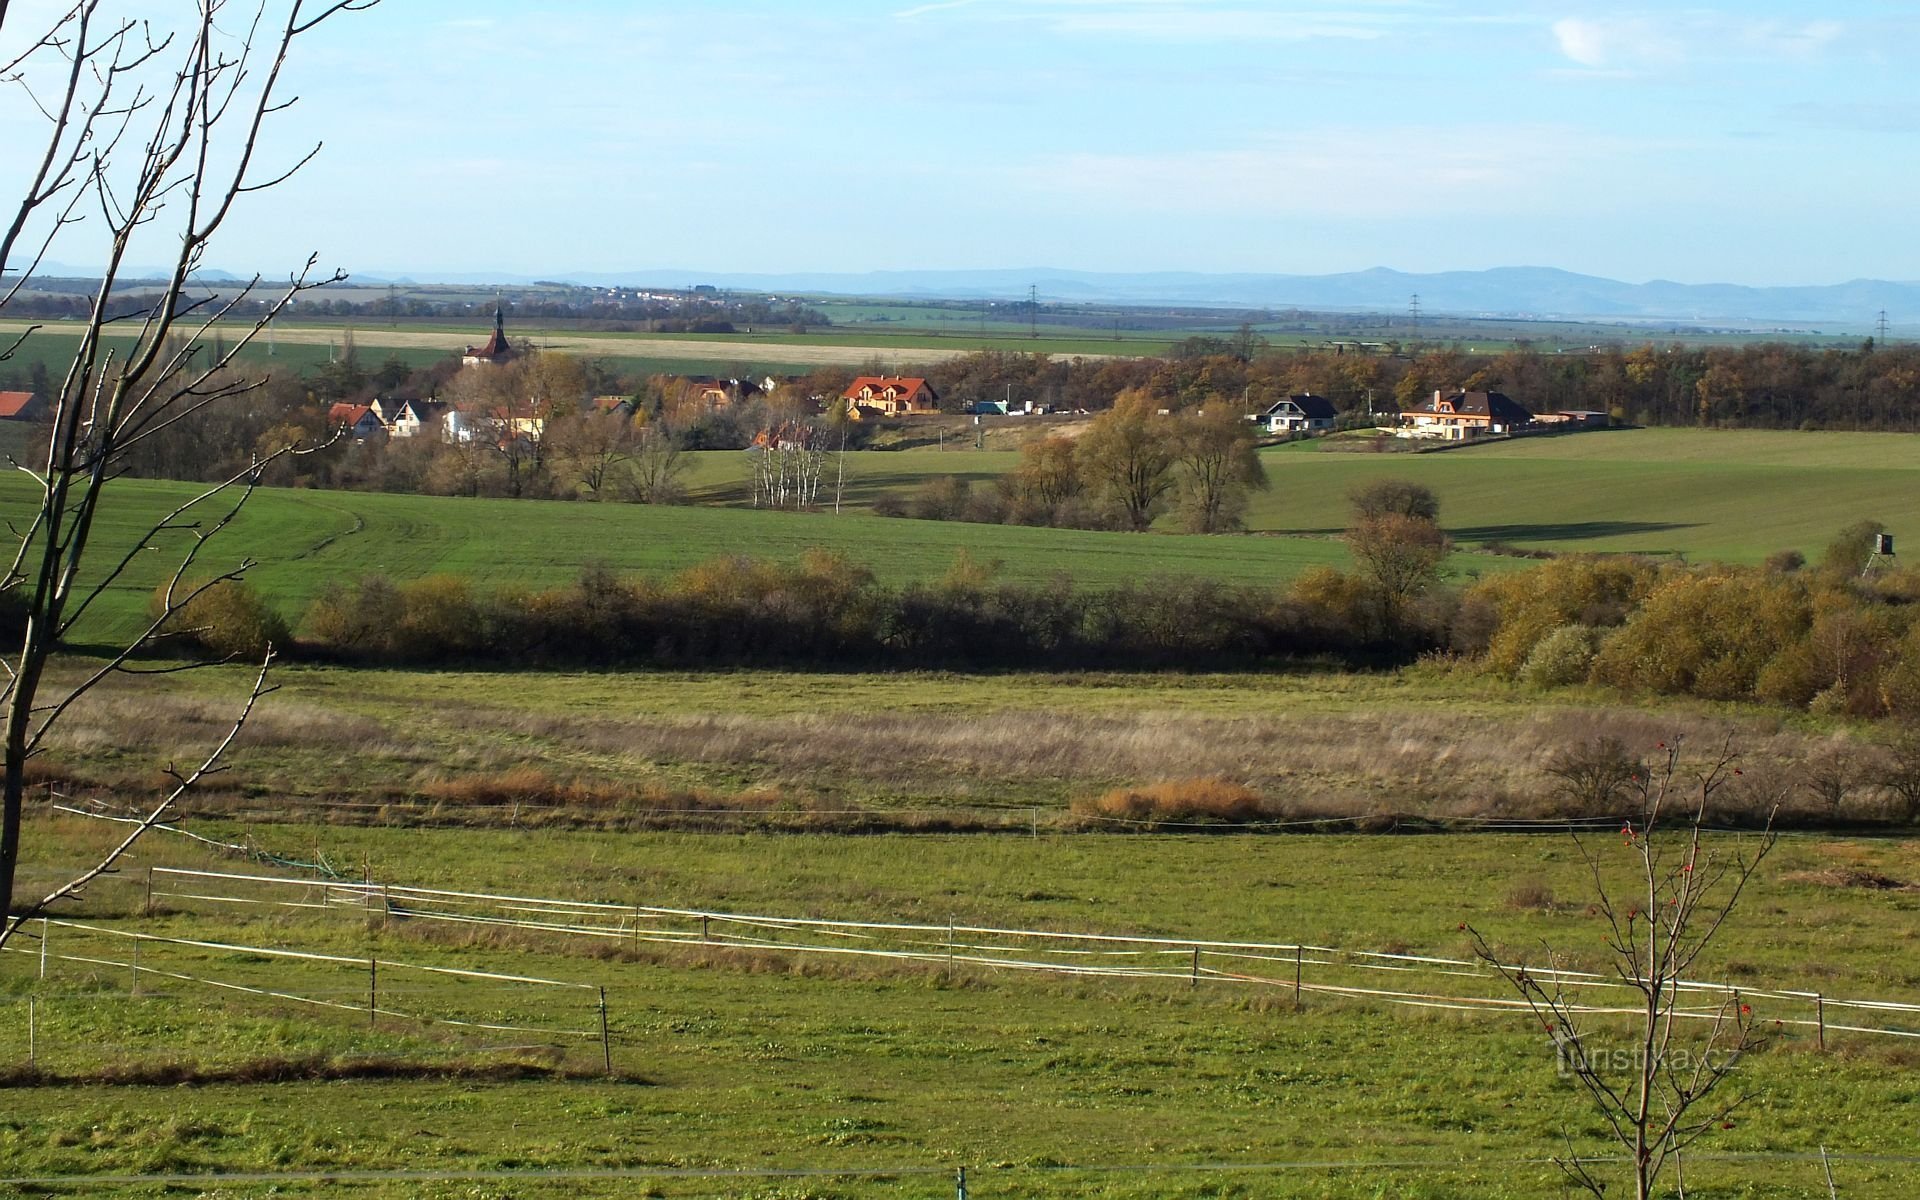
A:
(1538, 292)
(1526, 292)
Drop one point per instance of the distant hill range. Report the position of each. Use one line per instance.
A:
(1542, 293)
(1537, 292)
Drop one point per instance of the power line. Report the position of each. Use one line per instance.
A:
(1413, 310)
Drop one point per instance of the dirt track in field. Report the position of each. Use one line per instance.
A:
(622, 346)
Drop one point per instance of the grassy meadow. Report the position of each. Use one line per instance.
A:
(1703, 494)
(744, 1060)
(884, 1077)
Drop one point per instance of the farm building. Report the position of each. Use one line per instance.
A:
(1305, 413)
(19, 406)
(1463, 415)
(888, 396)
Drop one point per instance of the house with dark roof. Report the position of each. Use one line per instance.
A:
(1462, 415)
(411, 417)
(20, 406)
(888, 396)
(1305, 413)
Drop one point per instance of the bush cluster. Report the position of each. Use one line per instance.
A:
(1824, 640)
(825, 610)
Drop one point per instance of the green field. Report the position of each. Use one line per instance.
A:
(753, 1060)
(1733, 496)
(1709, 494)
(304, 539)
(1724, 495)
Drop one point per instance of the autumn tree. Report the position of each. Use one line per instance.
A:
(1127, 455)
(589, 449)
(1049, 474)
(1399, 557)
(1218, 466)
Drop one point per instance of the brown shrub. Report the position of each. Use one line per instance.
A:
(1531, 895)
(1206, 800)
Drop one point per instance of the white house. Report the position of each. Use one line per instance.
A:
(1306, 413)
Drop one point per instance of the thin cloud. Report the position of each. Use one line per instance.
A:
(1645, 42)
(1188, 20)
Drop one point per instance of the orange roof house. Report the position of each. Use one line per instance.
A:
(888, 396)
(1463, 415)
(18, 406)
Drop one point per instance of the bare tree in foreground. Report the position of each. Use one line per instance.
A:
(151, 134)
(1665, 1087)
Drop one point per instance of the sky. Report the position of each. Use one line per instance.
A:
(1760, 143)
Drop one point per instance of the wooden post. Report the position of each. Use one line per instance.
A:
(1820, 1019)
(703, 928)
(606, 1043)
(149, 908)
(43, 947)
(1296, 978)
(949, 951)
(373, 992)
(1193, 980)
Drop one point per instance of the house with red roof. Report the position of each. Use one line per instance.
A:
(360, 421)
(20, 406)
(873, 396)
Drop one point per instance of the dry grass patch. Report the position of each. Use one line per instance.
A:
(1181, 801)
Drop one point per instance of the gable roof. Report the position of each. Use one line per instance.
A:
(906, 385)
(1494, 406)
(1316, 408)
(350, 414)
(12, 404)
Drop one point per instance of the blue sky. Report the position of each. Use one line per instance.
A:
(1765, 142)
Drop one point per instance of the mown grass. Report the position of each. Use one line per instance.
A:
(753, 1060)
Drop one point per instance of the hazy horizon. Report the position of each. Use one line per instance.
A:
(1752, 145)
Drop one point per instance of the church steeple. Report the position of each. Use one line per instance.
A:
(496, 349)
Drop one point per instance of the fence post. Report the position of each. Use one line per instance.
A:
(43, 947)
(703, 929)
(149, 909)
(1819, 1016)
(1296, 978)
(1193, 980)
(1833, 1192)
(33, 1015)
(960, 1184)
(949, 950)
(373, 992)
(135, 964)
(606, 1043)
